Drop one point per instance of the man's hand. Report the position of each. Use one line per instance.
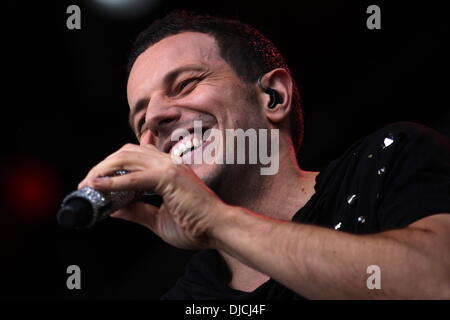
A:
(190, 208)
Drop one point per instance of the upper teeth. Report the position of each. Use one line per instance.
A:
(185, 145)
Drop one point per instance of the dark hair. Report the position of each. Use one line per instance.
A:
(248, 52)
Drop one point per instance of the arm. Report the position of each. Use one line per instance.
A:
(323, 263)
(313, 261)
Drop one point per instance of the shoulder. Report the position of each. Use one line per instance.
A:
(403, 141)
(391, 177)
(407, 132)
(408, 127)
(393, 142)
(405, 147)
(409, 170)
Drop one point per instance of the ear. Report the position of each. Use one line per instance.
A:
(279, 80)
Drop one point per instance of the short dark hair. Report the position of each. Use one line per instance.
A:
(248, 52)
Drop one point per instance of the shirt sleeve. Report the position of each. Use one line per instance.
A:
(417, 175)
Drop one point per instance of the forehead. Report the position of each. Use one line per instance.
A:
(170, 53)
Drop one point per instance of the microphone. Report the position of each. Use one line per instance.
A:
(83, 208)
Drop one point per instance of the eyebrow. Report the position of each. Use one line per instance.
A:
(168, 78)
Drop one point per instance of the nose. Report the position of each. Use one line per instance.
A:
(161, 116)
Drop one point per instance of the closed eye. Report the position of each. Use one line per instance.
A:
(181, 88)
(186, 84)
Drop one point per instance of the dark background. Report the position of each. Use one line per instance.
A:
(64, 109)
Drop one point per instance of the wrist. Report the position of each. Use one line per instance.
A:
(225, 220)
(235, 226)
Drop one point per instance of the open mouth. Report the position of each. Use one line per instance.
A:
(190, 143)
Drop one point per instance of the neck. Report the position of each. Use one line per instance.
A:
(278, 196)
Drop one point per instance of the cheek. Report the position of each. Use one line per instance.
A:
(228, 104)
(210, 99)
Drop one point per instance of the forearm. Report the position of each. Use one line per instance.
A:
(323, 263)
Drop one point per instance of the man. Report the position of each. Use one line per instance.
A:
(383, 204)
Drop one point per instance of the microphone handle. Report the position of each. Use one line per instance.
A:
(83, 208)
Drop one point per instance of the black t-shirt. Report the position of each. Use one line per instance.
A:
(388, 180)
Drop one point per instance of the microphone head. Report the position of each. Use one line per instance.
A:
(77, 213)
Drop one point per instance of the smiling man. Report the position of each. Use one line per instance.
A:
(294, 234)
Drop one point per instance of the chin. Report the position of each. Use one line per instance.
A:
(209, 173)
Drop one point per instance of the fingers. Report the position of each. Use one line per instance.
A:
(138, 180)
(133, 147)
(130, 161)
(130, 157)
(139, 212)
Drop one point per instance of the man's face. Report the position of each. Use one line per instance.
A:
(180, 79)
